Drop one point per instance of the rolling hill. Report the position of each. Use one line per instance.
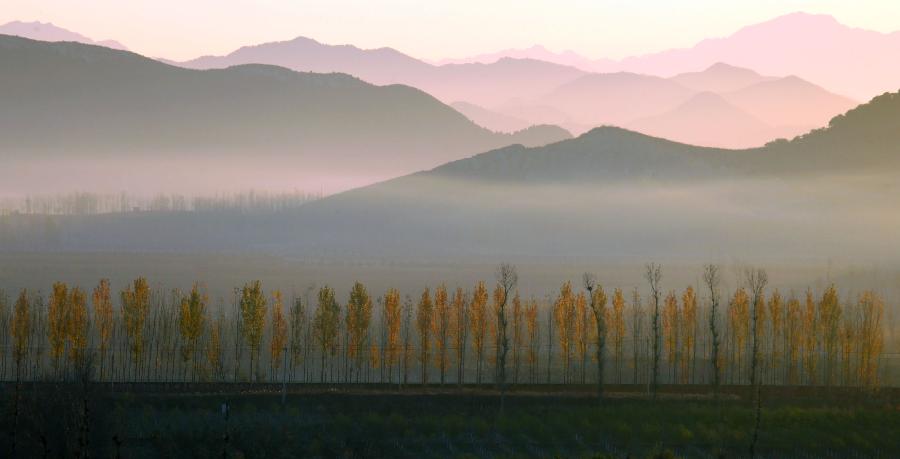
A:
(78, 103)
(610, 193)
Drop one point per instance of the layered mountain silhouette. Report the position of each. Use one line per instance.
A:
(481, 84)
(45, 31)
(517, 88)
(815, 47)
(70, 101)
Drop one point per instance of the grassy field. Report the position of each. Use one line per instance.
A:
(319, 421)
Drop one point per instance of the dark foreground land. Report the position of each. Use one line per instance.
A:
(52, 420)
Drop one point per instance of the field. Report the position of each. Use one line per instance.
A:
(416, 422)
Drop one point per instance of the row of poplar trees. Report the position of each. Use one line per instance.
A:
(581, 334)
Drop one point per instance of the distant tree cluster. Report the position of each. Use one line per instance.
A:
(83, 203)
(451, 336)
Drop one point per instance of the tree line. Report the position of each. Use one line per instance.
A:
(86, 203)
(583, 333)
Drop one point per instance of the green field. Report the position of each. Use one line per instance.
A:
(347, 421)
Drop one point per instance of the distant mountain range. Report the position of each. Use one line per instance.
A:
(509, 90)
(45, 31)
(815, 47)
(70, 101)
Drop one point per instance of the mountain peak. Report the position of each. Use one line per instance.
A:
(47, 31)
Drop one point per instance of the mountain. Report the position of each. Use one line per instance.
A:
(814, 47)
(615, 98)
(537, 52)
(719, 78)
(610, 193)
(477, 83)
(708, 119)
(45, 31)
(90, 108)
(790, 101)
(490, 119)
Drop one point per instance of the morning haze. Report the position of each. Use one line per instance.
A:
(287, 241)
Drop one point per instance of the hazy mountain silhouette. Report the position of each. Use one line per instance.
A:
(719, 78)
(537, 52)
(490, 119)
(481, 84)
(70, 101)
(708, 119)
(814, 47)
(616, 98)
(790, 101)
(45, 31)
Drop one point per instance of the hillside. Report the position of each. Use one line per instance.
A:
(611, 193)
(75, 102)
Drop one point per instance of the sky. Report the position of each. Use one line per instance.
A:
(429, 29)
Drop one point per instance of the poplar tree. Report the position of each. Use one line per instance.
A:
(326, 323)
(135, 307)
(278, 343)
(191, 322)
(459, 331)
(253, 320)
(359, 316)
(479, 326)
(103, 318)
(424, 313)
(440, 329)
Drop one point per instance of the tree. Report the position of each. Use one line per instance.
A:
(359, 317)
(637, 331)
(739, 324)
(534, 338)
(776, 323)
(756, 281)
(135, 307)
(711, 278)
(440, 328)
(279, 331)
(617, 329)
(479, 326)
(59, 316)
(811, 334)
(326, 322)
(392, 313)
(214, 349)
(253, 319)
(830, 317)
(424, 313)
(518, 338)
(793, 330)
(871, 338)
(582, 338)
(507, 279)
(297, 324)
(21, 329)
(192, 321)
(598, 307)
(78, 327)
(671, 328)
(653, 274)
(103, 318)
(688, 334)
(564, 312)
(459, 331)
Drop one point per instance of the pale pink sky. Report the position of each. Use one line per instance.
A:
(183, 29)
